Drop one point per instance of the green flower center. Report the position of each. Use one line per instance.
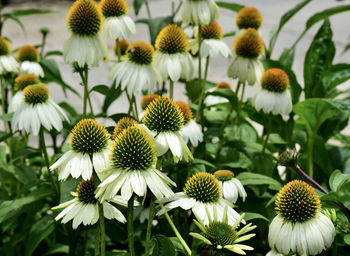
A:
(163, 115)
(212, 31)
(123, 124)
(203, 187)
(23, 81)
(249, 44)
(133, 149)
(36, 94)
(275, 80)
(89, 137)
(220, 233)
(84, 18)
(86, 191)
(5, 47)
(140, 53)
(28, 53)
(172, 39)
(186, 111)
(224, 175)
(297, 202)
(114, 8)
(249, 17)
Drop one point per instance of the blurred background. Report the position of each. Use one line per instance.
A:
(272, 10)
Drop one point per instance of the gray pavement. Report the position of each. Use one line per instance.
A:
(271, 10)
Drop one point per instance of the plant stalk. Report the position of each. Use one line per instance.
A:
(3, 103)
(267, 133)
(102, 231)
(131, 226)
(97, 239)
(198, 116)
(239, 105)
(118, 49)
(310, 150)
(171, 89)
(149, 225)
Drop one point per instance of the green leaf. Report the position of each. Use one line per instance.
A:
(155, 25)
(287, 57)
(241, 132)
(53, 74)
(9, 208)
(103, 89)
(229, 34)
(318, 59)
(225, 93)
(68, 186)
(137, 6)
(15, 19)
(113, 94)
(6, 117)
(252, 215)
(235, 159)
(69, 109)
(29, 12)
(337, 179)
(295, 87)
(193, 89)
(39, 231)
(59, 248)
(177, 244)
(313, 112)
(347, 239)
(216, 116)
(53, 53)
(117, 117)
(248, 178)
(335, 75)
(163, 246)
(230, 6)
(285, 18)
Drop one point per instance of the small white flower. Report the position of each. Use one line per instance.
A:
(89, 149)
(29, 58)
(212, 99)
(29, 67)
(198, 12)
(84, 208)
(231, 187)
(202, 193)
(136, 72)
(85, 45)
(117, 22)
(132, 168)
(274, 96)
(8, 63)
(38, 109)
(299, 226)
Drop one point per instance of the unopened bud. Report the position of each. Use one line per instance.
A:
(288, 158)
(331, 214)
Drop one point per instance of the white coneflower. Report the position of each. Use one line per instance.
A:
(133, 168)
(199, 12)
(247, 48)
(29, 58)
(202, 192)
(85, 46)
(123, 47)
(8, 63)
(274, 96)
(89, 148)
(172, 57)
(249, 17)
(220, 235)
(21, 82)
(191, 131)
(211, 99)
(212, 44)
(274, 253)
(231, 186)
(299, 226)
(117, 22)
(83, 209)
(163, 120)
(122, 125)
(145, 101)
(38, 109)
(136, 72)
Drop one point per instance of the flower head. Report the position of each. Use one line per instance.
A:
(22, 81)
(288, 157)
(84, 18)
(36, 94)
(223, 85)
(199, 12)
(248, 44)
(212, 31)
(123, 46)
(123, 124)
(28, 53)
(275, 80)
(249, 17)
(5, 47)
(140, 53)
(186, 111)
(172, 39)
(88, 137)
(114, 8)
(231, 186)
(147, 99)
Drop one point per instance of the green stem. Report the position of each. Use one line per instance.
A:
(310, 149)
(3, 103)
(136, 113)
(130, 103)
(148, 10)
(202, 94)
(239, 105)
(102, 229)
(178, 235)
(84, 77)
(118, 49)
(198, 116)
(222, 134)
(268, 131)
(43, 46)
(171, 89)
(149, 226)
(97, 239)
(43, 148)
(131, 226)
